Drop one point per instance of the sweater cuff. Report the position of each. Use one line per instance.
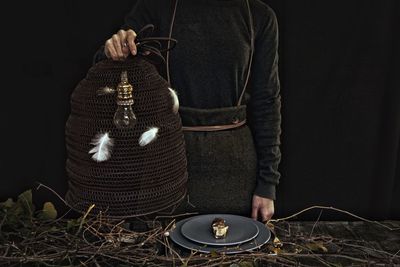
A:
(265, 190)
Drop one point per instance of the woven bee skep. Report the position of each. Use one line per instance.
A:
(136, 179)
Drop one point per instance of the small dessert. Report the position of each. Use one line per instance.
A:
(219, 228)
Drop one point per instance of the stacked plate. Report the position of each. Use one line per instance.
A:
(244, 234)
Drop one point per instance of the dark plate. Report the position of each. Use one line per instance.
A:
(262, 238)
(241, 229)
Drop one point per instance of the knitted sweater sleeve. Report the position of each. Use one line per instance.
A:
(264, 106)
(143, 13)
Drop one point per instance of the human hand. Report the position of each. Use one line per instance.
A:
(120, 45)
(262, 206)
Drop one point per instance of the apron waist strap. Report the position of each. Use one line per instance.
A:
(213, 128)
(210, 120)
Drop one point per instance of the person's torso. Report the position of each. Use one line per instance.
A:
(208, 66)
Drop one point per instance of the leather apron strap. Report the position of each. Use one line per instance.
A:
(234, 124)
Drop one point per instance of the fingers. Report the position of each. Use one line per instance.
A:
(130, 40)
(109, 50)
(254, 211)
(124, 47)
(120, 45)
(266, 214)
(263, 207)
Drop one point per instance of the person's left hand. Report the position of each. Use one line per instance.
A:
(262, 206)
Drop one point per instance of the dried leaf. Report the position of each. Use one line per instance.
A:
(48, 212)
(214, 254)
(317, 247)
(246, 264)
(277, 243)
(9, 203)
(270, 225)
(298, 250)
(25, 202)
(73, 223)
(274, 250)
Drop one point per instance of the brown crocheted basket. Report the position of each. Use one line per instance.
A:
(135, 180)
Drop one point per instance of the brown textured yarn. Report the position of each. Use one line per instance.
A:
(135, 180)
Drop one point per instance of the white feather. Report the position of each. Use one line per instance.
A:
(175, 100)
(103, 146)
(148, 136)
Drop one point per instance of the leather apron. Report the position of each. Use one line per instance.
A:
(221, 155)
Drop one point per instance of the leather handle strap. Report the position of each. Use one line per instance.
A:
(251, 53)
(213, 128)
(169, 36)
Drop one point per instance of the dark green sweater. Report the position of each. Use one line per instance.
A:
(208, 67)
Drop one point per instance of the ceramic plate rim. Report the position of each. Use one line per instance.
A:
(262, 238)
(220, 241)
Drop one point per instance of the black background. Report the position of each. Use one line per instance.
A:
(339, 69)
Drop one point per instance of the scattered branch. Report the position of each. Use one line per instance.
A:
(334, 209)
(102, 241)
